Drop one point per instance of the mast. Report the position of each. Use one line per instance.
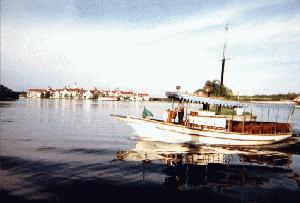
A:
(223, 66)
(223, 60)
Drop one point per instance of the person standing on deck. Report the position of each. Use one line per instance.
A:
(180, 112)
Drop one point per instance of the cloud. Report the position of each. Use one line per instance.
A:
(184, 50)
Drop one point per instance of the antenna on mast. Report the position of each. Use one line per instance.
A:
(225, 41)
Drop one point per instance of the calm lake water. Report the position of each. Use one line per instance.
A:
(59, 150)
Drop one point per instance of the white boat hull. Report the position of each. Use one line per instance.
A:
(170, 133)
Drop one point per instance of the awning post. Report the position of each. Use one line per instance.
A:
(262, 113)
(172, 104)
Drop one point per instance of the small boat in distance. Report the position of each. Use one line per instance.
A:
(204, 127)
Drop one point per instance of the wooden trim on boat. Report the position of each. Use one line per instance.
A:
(192, 134)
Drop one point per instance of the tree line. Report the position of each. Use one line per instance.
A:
(7, 94)
(212, 88)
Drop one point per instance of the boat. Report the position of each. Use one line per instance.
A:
(204, 127)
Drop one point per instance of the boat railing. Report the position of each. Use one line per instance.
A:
(260, 127)
(241, 125)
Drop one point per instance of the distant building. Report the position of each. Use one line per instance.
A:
(80, 93)
(39, 93)
(144, 96)
(115, 93)
(87, 94)
(140, 97)
(55, 94)
(126, 94)
(96, 93)
(35, 93)
(111, 93)
(76, 93)
(65, 93)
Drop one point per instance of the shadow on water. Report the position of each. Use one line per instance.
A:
(157, 171)
(77, 150)
(235, 174)
(291, 145)
(4, 104)
(54, 182)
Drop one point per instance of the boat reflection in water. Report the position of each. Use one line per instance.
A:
(231, 172)
(174, 154)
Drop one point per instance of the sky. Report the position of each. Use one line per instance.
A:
(152, 45)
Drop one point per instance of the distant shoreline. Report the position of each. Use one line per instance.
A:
(154, 99)
(257, 98)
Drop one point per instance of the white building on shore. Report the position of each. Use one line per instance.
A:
(88, 94)
(35, 93)
(80, 93)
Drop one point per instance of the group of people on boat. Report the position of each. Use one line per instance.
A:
(178, 113)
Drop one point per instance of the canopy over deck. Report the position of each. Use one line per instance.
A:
(228, 103)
